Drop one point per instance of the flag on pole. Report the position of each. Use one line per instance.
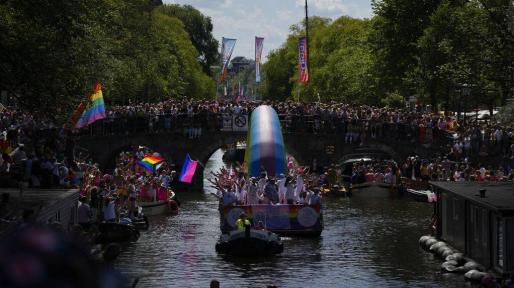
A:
(95, 110)
(77, 114)
(227, 47)
(303, 60)
(188, 170)
(258, 54)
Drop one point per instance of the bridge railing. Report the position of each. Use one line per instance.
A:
(351, 131)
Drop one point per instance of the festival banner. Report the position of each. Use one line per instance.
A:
(303, 60)
(227, 47)
(258, 54)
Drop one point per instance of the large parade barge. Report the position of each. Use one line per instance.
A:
(265, 152)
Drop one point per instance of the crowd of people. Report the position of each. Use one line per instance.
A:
(40, 152)
(111, 197)
(235, 187)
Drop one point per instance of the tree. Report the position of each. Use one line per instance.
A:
(51, 52)
(199, 28)
(397, 26)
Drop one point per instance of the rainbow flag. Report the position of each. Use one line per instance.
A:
(96, 109)
(188, 170)
(151, 162)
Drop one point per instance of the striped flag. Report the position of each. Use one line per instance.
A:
(303, 60)
(95, 110)
(258, 54)
(188, 170)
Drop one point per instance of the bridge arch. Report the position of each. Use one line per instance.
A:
(306, 148)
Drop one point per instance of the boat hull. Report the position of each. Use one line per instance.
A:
(115, 232)
(250, 243)
(282, 219)
(155, 208)
(372, 189)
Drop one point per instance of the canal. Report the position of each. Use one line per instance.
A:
(365, 243)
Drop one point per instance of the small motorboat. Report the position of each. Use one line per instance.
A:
(419, 195)
(335, 191)
(170, 206)
(117, 232)
(140, 221)
(250, 242)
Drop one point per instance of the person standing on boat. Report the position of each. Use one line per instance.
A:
(300, 186)
(84, 214)
(261, 184)
(242, 222)
(281, 189)
(315, 198)
(253, 197)
(270, 192)
(290, 196)
(109, 210)
(132, 193)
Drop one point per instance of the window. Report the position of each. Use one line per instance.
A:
(58, 216)
(475, 217)
(455, 205)
(485, 228)
(499, 243)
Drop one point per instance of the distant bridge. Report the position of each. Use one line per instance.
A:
(306, 148)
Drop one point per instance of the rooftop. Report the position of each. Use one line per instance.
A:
(33, 198)
(499, 195)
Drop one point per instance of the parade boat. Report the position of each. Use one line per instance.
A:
(265, 151)
(360, 182)
(249, 243)
(164, 204)
(282, 219)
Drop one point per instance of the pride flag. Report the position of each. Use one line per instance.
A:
(151, 162)
(188, 170)
(95, 110)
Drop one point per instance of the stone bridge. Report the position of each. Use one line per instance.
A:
(304, 147)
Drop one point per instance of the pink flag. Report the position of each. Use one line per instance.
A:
(188, 170)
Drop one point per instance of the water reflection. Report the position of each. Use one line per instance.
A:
(366, 243)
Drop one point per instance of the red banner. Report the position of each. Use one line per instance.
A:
(303, 60)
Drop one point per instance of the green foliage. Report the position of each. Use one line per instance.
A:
(394, 100)
(51, 52)
(199, 28)
(340, 63)
(433, 49)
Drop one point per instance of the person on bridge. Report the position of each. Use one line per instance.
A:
(242, 222)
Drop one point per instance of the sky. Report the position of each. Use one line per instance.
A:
(271, 19)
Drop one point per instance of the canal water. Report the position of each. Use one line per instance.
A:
(365, 243)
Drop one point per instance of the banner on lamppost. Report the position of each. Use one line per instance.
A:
(227, 47)
(303, 60)
(259, 41)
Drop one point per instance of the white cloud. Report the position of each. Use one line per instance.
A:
(271, 19)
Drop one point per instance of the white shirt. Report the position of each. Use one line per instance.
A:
(315, 199)
(109, 211)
